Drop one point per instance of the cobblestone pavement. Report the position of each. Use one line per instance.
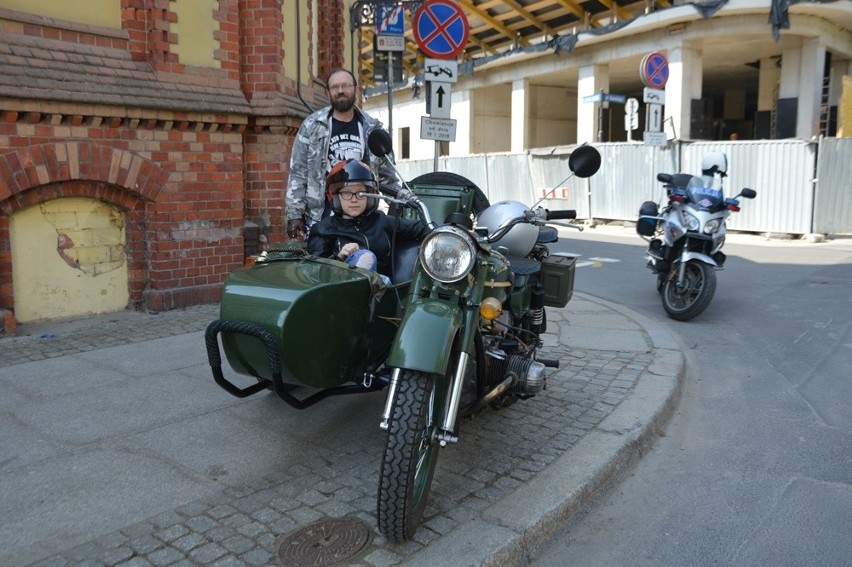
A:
(243, 524)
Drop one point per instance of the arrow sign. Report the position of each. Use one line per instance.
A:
(439, 97)
(655, 118)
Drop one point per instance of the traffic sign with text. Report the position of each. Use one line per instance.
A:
(390, 20)
(390, 43)
(438, 129)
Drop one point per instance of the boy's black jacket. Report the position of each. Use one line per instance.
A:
(372, 231)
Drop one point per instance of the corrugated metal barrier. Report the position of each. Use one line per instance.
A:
(802, 187)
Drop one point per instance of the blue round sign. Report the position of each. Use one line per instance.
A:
(654, 70)
(440, 29)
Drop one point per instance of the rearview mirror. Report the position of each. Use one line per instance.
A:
(584, 161)
(380, 143)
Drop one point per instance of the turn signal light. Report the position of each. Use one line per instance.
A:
(490, 308)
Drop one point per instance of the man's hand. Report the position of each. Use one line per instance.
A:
(295, 229)
(347, 249)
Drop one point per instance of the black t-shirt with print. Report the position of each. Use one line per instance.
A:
(345, 142)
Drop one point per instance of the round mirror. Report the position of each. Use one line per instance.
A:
(380, 143)
(584, 161)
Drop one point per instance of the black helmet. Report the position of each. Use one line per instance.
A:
(346, 173)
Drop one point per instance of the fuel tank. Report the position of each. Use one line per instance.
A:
(319, 311)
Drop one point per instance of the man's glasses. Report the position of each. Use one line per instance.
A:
(350, 195)
(343, 87)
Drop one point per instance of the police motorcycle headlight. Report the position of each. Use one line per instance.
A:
(712, 226)
(447, 254)
(691, 222)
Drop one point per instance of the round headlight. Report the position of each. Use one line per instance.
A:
(447, 254)
(712, 226)
(691, 222)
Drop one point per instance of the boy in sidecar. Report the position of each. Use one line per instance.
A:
(358, 233)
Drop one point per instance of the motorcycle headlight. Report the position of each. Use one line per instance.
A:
(712, 226)
(691, 222)
(447, 254)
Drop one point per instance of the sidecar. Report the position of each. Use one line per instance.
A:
(294, 320)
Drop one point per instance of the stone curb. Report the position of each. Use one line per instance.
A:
(511, 529)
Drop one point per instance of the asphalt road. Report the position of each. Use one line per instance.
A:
(756, 466)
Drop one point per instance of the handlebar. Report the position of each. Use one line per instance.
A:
(560, 215)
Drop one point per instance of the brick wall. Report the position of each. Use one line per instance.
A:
(198, 166)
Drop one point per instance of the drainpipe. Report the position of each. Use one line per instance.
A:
(299, 56)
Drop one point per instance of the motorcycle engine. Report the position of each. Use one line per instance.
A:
(517, 242)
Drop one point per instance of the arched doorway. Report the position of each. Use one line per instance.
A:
(68, 259)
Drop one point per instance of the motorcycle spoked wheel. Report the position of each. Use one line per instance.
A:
(410, 456)
(684, 302)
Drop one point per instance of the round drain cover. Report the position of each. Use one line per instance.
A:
(327, 542)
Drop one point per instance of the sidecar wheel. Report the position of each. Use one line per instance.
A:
(689, 300)
(411, 452)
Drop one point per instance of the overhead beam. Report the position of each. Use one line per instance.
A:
(496, 24)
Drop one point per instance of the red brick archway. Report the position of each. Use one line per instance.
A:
(41, 173)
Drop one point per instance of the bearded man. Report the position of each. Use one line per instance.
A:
(331, 135)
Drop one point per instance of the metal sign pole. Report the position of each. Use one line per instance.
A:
(390, 93)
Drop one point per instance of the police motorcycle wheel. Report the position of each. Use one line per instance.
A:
(684, 302)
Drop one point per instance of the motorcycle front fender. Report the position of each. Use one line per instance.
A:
(424, 340)
(687, 256)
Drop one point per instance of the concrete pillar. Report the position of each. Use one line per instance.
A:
(592, 80)
(801, 81)
(768, 78)
(684, 86)
(520, 118)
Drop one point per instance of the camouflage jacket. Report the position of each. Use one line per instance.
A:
(305, 197)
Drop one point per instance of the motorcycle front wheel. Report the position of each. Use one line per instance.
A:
(410, 456)
(687, 300)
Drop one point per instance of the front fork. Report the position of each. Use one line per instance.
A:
(453, 401)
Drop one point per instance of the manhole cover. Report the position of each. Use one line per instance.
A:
(327, 542)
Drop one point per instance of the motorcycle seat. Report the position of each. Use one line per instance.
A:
(547, 235)
(524, 266)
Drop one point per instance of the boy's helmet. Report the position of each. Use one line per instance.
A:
(347, 173)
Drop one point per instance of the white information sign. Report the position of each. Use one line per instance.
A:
(440, 97)
(439, 129)
(655, 139)
(440, 70)
(653, 96)
(390, 43)
(654, 117)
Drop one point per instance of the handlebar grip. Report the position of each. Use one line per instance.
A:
(558, 215)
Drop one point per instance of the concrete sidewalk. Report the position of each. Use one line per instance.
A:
(117, 448)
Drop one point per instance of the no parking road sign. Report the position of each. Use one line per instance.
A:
(440, 28)
(654, 70)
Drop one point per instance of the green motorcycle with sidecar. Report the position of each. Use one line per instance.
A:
(456, 331)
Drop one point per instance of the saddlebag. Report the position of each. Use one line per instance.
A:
(646, 226)
(557, 277)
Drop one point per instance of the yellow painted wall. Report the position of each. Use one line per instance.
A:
(296, 48)
(106, 13)
(195, 29)
(844, 114)
(68, 259)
